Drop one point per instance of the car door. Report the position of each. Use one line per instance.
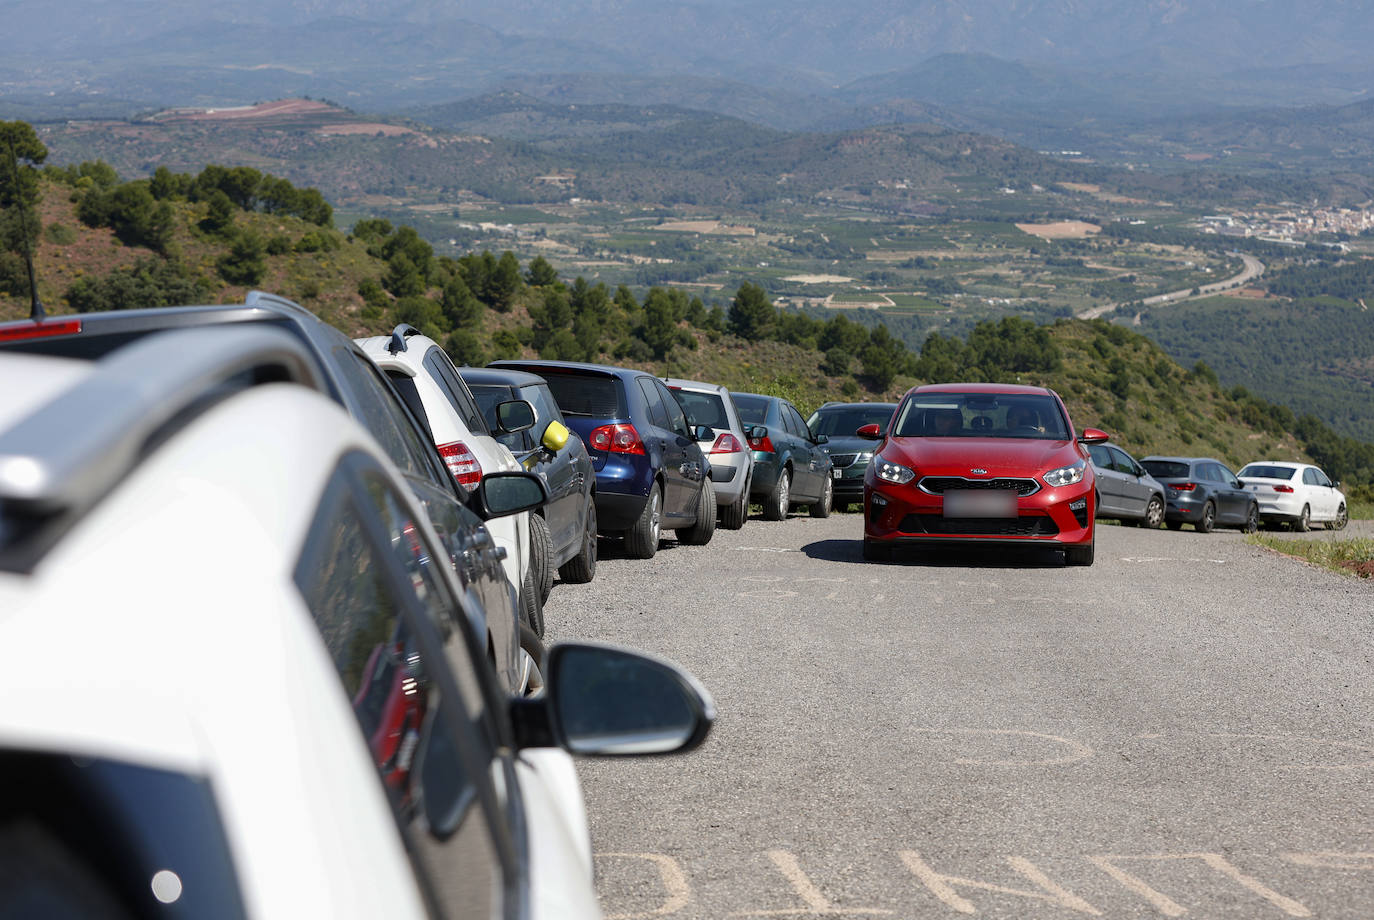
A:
(1133, 494)
(1233, 501)
(808, 459)
(692, 464)
(666, 452)
(559, 470)
(1109, 481)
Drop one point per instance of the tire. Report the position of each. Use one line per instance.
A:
(1174, 525)
(1342, 518)
(779, 500)
(1208, 520)
(821, 508)
(541, 555)
(1079, 555)
(1154, 513)
(1304, 522)
(699, 534)
(1251, 520)
(531, 605)
(733, 515)
(641, 540)
(581, 569)
(876, 552)
(532, 648)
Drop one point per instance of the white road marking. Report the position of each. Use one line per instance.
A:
(677, 892)
(816, 903)
(1330, 859)
(1216, 861)
(942, 886)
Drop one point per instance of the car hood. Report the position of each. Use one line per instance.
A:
(998, 456)
(849, 445)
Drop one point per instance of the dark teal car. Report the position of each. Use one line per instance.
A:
(790, 466)
(849, 453)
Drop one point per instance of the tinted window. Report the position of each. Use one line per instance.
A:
(488, 397)
(456, 391)
(545, 409)
(1100, 457)
(592, 397)
(703, 408)
(367, 576)
(677, 419)
(843, 421)
(1268, 471)
(795, 424)
(653, 402)
(1166, 469)
(753, 410)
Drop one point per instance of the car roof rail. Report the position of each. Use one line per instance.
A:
(65, 455)
(398, 338)
(263, 298)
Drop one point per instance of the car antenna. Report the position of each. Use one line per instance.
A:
(36, 311)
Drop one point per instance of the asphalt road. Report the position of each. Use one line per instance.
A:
(1185, 728)
(1252, 270)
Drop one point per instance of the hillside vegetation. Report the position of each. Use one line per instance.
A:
(210, 237)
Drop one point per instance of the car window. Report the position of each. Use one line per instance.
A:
(1120, 462)
(1323, 479)
(455, 390)
(488, 397)
(1166, 469)
(589, 396)
(1225, 475)
(386, 420)
(677, 419)
(1100, 457)
(981, 415)
(368, 579)
(795, 423)
(545, 409)
(1268, 471)
(703, 408)
(753, 410)
(843, 421)
(657, 412)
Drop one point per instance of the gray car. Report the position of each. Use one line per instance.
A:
(1125, 490)
(732, 462)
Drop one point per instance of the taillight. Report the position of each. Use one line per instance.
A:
(46, 328)
(461, 463)
(1283, 488)
(1184, 486)
(726, 443)
(764, 444)
(617, 439)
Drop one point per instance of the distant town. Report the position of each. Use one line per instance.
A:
(1290, 226)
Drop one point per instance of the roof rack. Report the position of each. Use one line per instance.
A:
(67, 454)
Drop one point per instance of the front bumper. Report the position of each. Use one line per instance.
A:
(905, 514)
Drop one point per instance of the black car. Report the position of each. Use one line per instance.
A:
(352, 380)
(651, 475)
(1203, 492)
(566, 527)
(791, 466)
(849, 453)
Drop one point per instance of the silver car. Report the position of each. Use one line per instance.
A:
(732, 462)
(1125, 490)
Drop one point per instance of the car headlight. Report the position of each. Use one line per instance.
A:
(1065, 475)
(895, 472)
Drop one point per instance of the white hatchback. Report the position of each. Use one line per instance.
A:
(1297, 494)
(269, 700)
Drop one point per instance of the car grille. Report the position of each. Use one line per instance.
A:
(843, 460)
(1029, 526)
(938, 485)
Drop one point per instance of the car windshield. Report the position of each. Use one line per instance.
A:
(1166, 469)
(1267, 471)
(753, 410)
(703, 408)
(981, 415)
(843, 421)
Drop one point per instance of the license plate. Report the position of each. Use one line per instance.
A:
(836, 474)
(980, 503)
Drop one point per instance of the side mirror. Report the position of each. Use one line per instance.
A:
(500, 494)
(605, 701)
(821, 439)
(872, 430)
(756, 432)
(555, 437)
(1093, 436)
(514, 415)
(704, 433)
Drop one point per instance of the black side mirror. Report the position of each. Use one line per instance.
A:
(821, 439)
(514, 415)
(500, 494)
(605, 701)
(704, 433)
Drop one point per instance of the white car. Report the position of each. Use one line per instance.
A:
(732, 460)
(1297, 494)
(238, 676)
(425, 377)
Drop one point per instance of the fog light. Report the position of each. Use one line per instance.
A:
(1080, 505)
(879, 500)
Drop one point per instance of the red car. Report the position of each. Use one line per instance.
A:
(982, 463)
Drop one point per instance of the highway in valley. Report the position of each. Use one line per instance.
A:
(1252, 270)
(1184, 729)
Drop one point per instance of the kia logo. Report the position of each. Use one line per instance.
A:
(979, 472)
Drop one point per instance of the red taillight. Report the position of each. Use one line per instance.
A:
(39, 330)
(1184, 486)
(727, 443)
(461, 463)
(764, 444)
(617, 439)
(1283, 488)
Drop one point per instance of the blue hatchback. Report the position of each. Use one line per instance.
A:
(650, 473)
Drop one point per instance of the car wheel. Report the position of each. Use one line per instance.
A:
(641, 540)
(1208, 520)
(541, 555)
(1154, 513)
(1174, 525)
(876, 552)
(1252, 519)
(531, 605)
(821, 509)
(1342, 518)
(1304, 522)
(532, 661)
(733, 515)
(778, 501)
(1079, 555)
(581, 568)
(699, 534)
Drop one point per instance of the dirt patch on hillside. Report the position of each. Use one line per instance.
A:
(264, 110)
(1363, 569)
(705, 226)
(373, 128)
(1061, 229)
